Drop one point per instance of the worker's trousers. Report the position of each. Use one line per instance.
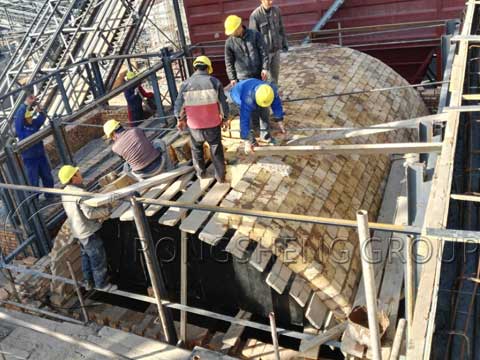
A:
(274, 66)
(259, 120)
(37, 169)
(213, 136)
(94, 261)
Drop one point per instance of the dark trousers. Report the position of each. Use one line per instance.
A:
(213, 136)
(94, 261)
(259, 120)
(39, 169)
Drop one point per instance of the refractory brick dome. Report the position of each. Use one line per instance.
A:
(319, 265)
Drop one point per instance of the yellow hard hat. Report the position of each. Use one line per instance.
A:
(264, 95)
(232, 23)
(66, 173)
(205, 61)
(29, 114)
(130, 75)
(109, 127)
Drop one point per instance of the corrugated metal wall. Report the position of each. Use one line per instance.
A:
(205, 22)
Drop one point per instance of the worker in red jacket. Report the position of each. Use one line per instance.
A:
(134, 96)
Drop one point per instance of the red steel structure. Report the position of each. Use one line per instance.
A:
(408, 50)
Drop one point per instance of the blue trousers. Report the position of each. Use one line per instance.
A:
(94, 261)
(37, 169)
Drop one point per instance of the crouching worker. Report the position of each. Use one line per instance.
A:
(85, 222)
(253, 96)
(142, 157)
(201, 105)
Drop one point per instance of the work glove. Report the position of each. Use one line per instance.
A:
(281, 127)
(225, 124)
(233, 83)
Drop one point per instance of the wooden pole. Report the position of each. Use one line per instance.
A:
(79, 293)
(397, 341)
(369, 283)
(273, 326)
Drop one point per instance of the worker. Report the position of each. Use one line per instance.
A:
(85, 223)
(267, 20)
(252, 96)
(34, 157)
(134, 96)
(202, 106)
(245, 52)
(134, 147)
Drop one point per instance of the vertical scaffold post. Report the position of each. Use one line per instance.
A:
(181, 34)
(170, 76)
(63, 93)
(183, 284)
(154, 271)
(59, 136)
(157, 96)
(369, 283)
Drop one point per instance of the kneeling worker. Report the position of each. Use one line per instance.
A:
(85, 222)
(201, 105)
(134, 147)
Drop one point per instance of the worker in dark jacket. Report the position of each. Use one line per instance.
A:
(267, 20)
(252, 96)
(134, 96)
(201, 105)
(34, 158)
(245, 52)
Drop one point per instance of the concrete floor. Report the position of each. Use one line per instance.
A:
(17, 342)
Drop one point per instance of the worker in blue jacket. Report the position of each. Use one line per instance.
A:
(253, 96)
(34, 158)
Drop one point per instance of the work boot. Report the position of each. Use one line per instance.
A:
(88, 285)
(109, 288)
(202, 174)
(221, 179)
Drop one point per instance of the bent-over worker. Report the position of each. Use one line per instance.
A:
(202, 106)
(254, 96)
(134, 147)
(134, 96)
(85, 222)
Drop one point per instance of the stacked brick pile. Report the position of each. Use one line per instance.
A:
(8, 239)
(324, 258)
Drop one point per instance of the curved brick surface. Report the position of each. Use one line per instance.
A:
(326, 257)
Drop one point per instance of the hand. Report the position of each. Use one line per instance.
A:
(225, 124)
(281, 127)
(39, 108)
(233, 83)
(181, 125)
(264, 75)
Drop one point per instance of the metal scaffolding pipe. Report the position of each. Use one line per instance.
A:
(273, 327)
(369, 283)
(154, 271)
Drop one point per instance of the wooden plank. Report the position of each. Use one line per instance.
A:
(329, 335)
(279, 276)
(351, 149)
(145, 184)
(174, 214)
(235, 331)
(391, 288)
(197, 217)
(239, 242)
(172, 190)
(153, 193)
(472, 198)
